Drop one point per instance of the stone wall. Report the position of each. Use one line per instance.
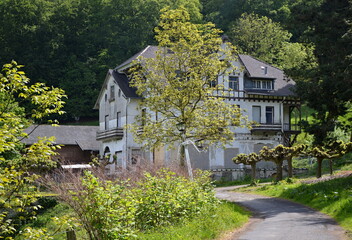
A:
(233, 174)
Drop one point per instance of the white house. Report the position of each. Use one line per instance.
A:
(261, 90)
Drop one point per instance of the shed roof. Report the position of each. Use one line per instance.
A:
(83, 136)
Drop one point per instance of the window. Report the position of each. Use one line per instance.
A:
(112, 92)
(118, 119)
(263, 84)
(233, 82)
(256, 113)
(257, 84)
(269, 115)
(106, 122)
(119, 93)
(143, 117)
(106, 97)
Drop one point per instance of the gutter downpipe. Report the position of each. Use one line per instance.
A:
(282, 115)
(124, 165)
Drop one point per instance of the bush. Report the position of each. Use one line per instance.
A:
(166, 199)
(119, 209)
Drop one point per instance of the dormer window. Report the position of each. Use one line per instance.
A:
(263, 84)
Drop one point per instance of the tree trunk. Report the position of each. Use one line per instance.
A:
(290, 168)
(70, 235)
(319, 161)
(279, 171)
(182, 156)
(253, 171)
(330, 165)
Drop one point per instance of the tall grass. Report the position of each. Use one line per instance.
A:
(210, 225)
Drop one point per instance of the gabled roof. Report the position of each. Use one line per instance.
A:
(148, 52)
(256, 68)
(122, 81)
(83, 136)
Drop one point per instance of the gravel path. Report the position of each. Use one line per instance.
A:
(281, 219)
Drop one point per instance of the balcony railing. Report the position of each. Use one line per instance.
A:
(286, 127)
(116, 133)
(292, 127)
(267, 127)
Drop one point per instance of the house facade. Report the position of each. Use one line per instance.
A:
(262, 92)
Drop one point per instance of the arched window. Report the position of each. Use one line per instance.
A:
(106, 153)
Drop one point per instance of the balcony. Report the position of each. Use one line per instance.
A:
(292, 128)
(268, 127)
(276, 127)
(116, 133)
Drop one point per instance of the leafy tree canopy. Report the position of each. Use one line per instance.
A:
(267, 40)
(177, 85)
(20, 105)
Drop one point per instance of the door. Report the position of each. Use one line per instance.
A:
(269, 115)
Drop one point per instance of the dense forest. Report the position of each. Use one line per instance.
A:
(72, 43)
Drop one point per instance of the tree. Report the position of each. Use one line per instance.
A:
(177, 85)
(332, 76)
(73, 42)
(267, 40)
(20, 105)
(248, 159)
(293, 152)
(330, 151)
(276, 155)
(346, 120)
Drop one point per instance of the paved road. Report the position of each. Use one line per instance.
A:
(282, 220)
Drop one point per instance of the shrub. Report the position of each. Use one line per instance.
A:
(106, 209)
(166, 198)
(115, 209)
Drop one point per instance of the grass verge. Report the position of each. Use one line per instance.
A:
(209, 226)
(333, 197)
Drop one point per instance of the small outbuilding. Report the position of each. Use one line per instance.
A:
(79, 143)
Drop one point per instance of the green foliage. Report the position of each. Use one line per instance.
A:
(332, 197)
(18, 100)
(330, 151)
(106, 209)
(262, 38)
(177, 85)
(332, 75)
(208, 225)
(248, 159)
(280, 153)
(73, 42)
(165, 199)
(119, 210)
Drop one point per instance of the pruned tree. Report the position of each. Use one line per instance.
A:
(292, 152)
(179, 83)
(330, 151)
(248, 159)
(276, 155)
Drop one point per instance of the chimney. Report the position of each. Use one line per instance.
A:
(265, 69)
